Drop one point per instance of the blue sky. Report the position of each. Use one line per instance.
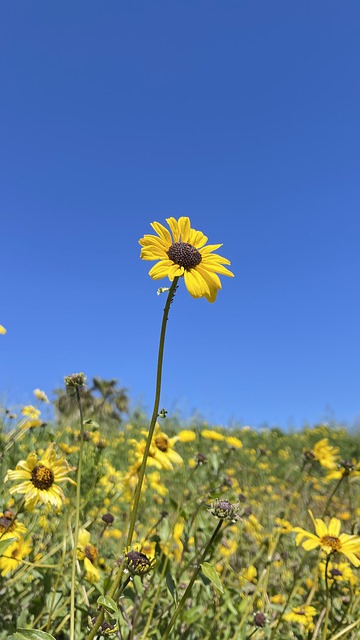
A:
(242, 115)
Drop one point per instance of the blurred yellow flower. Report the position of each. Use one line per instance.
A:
(39, 478)
(234, 442)
(14, 554)
(41, 395)
(327, 537)
(325, 454)
(30, 411)
(186, 435)
(184, 252)
(88, 553)
(302, 615)
(2, 330)
(209, 434)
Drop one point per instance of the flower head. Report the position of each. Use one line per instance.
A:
(137, 562)
(330, 540)
(41, 395)
(2, 330)
(88, 553)
(302, 615)
(225, 510)
(184, 252)
(14, 554)
(40, 478)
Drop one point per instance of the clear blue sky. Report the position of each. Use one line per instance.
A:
(241, 114)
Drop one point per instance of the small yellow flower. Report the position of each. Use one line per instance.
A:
(330, 540)
(302, 615)
(209, 434)
(39, 478)
(41, 395)
(88, 553)
(14, 554)
(234, 442)
(186, 435)
(31, 412)
(325, 454)
(184, 252)
(2, 330)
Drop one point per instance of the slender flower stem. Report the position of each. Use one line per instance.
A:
(332, 495)
(113, 592)
(155, 412)
(327, 595)
(77, 519)
(186, 593)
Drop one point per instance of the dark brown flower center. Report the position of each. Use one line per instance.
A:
(138, 562)
(331, 541)
(185, 255)
(162, 443)
(42, 477)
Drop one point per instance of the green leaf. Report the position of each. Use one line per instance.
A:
(4, 544)
(108, 603)
(28, 634)
(212, 575)
(171, 585)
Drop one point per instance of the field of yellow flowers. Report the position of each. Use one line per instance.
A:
(144, 528)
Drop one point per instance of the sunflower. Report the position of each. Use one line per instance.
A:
(184, 252)
(327, 537)
(39, 478)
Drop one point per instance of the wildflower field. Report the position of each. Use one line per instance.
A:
(117, 524)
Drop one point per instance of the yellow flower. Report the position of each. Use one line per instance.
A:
(2, 330)
(302, 615)
(186, 435)
(88, 553)
(327, 537)
(39, 478)
(30, 411)
(338, 572)
(41, 395)
(162, 453)
(234, 442)
(13, 555)
(10, 527)
(185, 253)
(325, 454)
(248, 574)
(349, 468)
(212, 435)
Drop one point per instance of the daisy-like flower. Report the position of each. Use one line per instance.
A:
(2, 330)
(347, 468)
(303, 616)
(13, 555)
(39, 479)
(137, 562)
(324, 453)
(184, 252)
(88, 553)
(162, 453)
(329, 538)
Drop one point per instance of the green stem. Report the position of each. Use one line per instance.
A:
(332, 495)
(326, 622)
(186, 593)
(77, 519)
(155, 413)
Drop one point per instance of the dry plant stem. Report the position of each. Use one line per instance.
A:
(187, 591)
(155, 413)
(77, 519)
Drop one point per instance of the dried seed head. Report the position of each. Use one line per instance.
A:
(225, 510)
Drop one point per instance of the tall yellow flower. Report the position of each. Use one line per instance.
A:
(88, 553)
(39, 478)
(14, 554)
(330, 540)
(184, 252)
